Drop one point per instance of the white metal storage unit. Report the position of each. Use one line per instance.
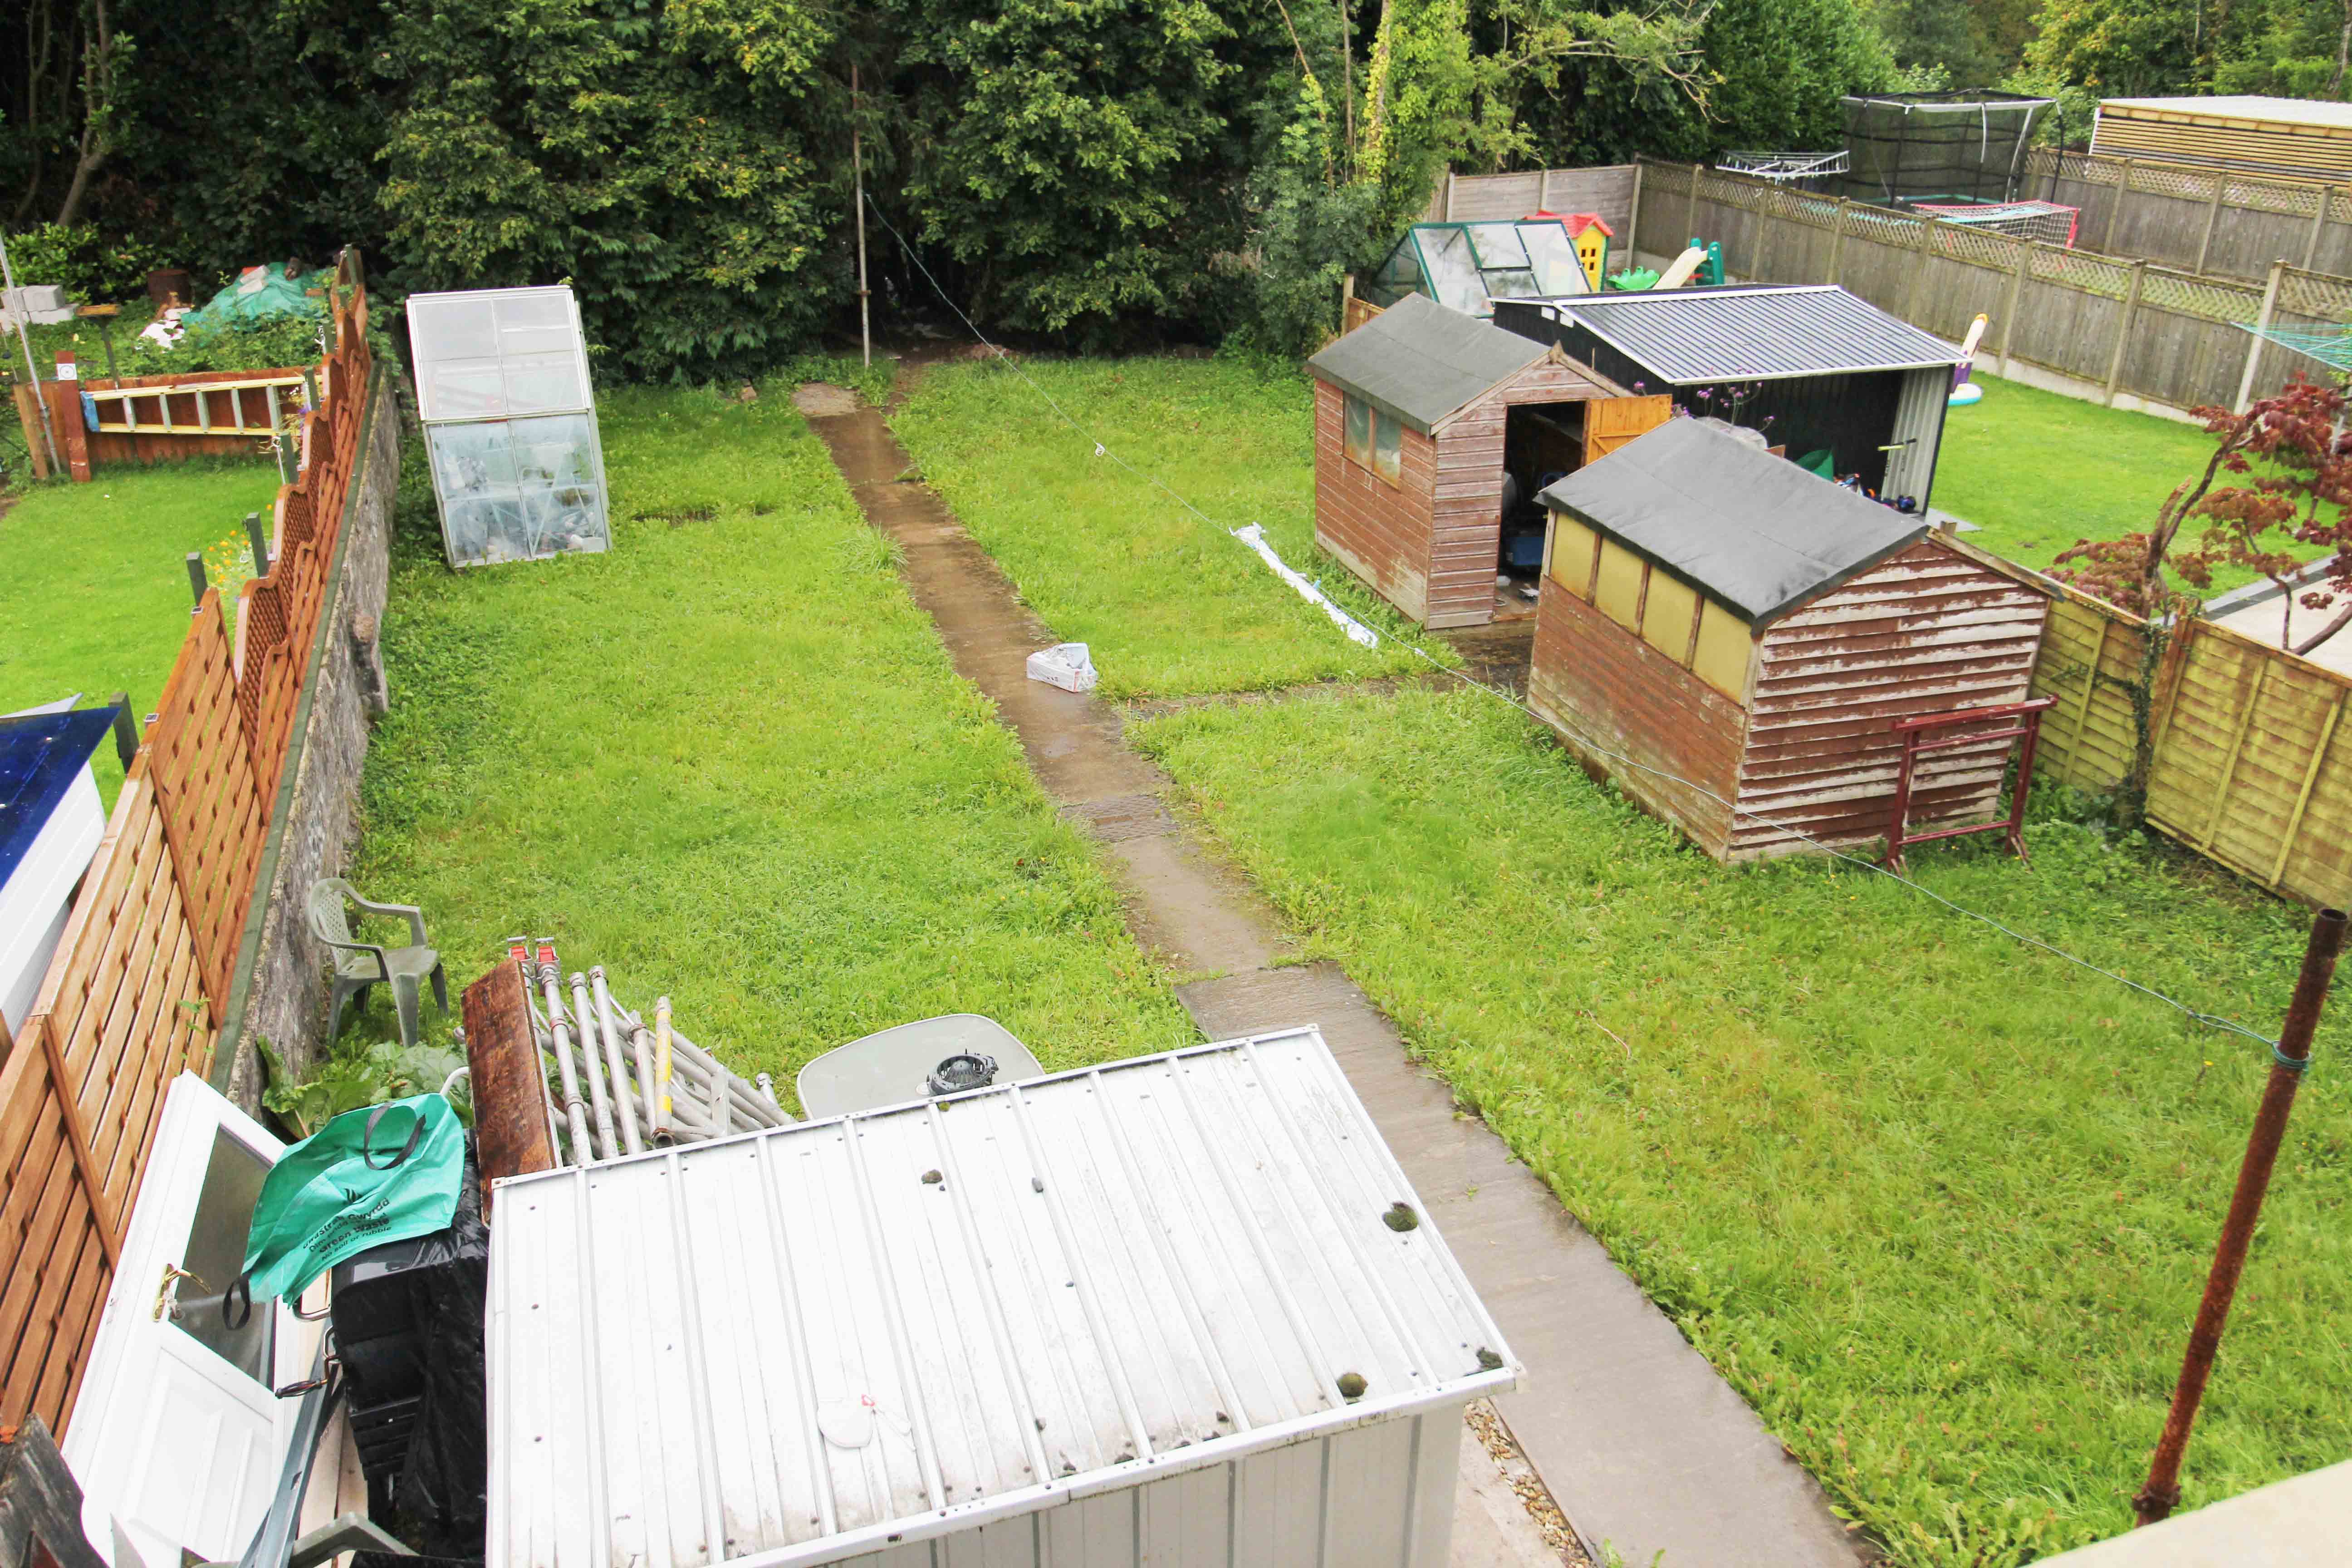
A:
(510, 421)
(1168, 1310)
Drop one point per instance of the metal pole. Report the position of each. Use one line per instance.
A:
(661, 1070)
(2262, 325)
(2292, 1054)
(574, 1113)
(857, 164)
(619, 1077)
(48, 431)
(607, 1146)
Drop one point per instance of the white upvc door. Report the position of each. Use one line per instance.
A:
(177, 1438)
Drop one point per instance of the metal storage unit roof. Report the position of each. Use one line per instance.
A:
(1423, 362)
(1753, 531)
(1754, 332)
(797, 1344)
(2243, 106)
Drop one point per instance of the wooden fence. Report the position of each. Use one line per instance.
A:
(2213, 222)
(1607, 189)
(135, 992)
(2251, 762)
(2154, 334)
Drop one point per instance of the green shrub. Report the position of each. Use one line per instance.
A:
(94, 270)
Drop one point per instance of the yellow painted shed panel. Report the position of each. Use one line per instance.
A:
(1666, 618)
(1618, 590)
(1724, 643)
(1571, 555)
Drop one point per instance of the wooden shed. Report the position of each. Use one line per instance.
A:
(1746, 633)
(2301, 139)
(1430, 427)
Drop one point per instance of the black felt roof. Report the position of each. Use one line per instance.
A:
(1753, 531)
(1423, 362)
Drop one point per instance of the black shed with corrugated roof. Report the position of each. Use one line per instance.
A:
(1813, 367)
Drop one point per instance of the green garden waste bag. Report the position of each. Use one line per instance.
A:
(378, 1174)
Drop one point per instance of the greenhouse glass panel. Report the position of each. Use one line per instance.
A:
(1552, 255)
(510, 424)
(1516, 284)
(1497, 244)
(1452, 270)
(518, 490)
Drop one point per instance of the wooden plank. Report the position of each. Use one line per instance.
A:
(110, 1230)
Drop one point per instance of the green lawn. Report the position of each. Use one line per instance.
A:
(1169, 603)
(731, 760)
(97, 578)
(2038, 471)
(1938, 1206)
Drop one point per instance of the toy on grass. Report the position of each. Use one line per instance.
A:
(1964, 391)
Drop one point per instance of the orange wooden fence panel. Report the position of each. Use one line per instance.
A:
(134, 993)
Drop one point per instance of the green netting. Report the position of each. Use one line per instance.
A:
(2331, 346)
(260, 292)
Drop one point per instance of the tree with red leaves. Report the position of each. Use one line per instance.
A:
(2295, 456)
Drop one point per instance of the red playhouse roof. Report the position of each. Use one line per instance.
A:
(1577, 222)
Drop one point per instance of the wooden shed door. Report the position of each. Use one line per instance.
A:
(1611, 422)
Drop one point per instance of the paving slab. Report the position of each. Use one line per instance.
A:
(1640, 1442)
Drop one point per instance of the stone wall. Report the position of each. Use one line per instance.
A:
(282, 985)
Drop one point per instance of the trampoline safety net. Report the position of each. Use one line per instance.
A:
(1969, 146)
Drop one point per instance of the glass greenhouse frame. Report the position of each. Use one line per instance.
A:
(509, 418)
(1466, 266)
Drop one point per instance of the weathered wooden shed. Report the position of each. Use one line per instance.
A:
(1420, 415)
(1746, 633)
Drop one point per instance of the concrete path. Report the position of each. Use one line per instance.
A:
(1641, 1443)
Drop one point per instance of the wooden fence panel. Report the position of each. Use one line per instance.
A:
(2246, 746)
(211, 804)
(133, 995)
(2090, 660)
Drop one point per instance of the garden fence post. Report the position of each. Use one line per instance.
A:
(1837, 240)
(2318, 226)
(253, 533)
(196, 581)
(1634, 221)
(126, 732)
(2122, 329)
(2016, 298)
(1690, 218)
(1543, 190)
(2261, 326)
(2289, 1059)
(1919, 268)
(2212, 217)
(2116, 207)
(1449, 195)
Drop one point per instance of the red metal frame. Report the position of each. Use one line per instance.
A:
(1913, 732)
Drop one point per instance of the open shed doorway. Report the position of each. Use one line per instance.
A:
(1542, 442)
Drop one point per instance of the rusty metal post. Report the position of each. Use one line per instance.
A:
(509, 1087)
(2157, 1500)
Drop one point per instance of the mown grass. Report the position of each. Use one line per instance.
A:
(1169, 603)
(97, 576)
(1939, 1204)
(2037, 472)
(730, 762)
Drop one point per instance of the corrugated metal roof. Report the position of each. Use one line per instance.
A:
(1754, 332)
(1423, 363)
(1751, 529)
(781, 1347)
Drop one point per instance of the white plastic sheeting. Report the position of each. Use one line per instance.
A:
(510, 414)
(1183, 1309)
(1255, 537)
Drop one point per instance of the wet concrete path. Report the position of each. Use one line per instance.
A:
(1638, 1439)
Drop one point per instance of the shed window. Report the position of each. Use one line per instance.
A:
(1375, 440)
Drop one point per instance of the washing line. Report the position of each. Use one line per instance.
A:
(1102, 450)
